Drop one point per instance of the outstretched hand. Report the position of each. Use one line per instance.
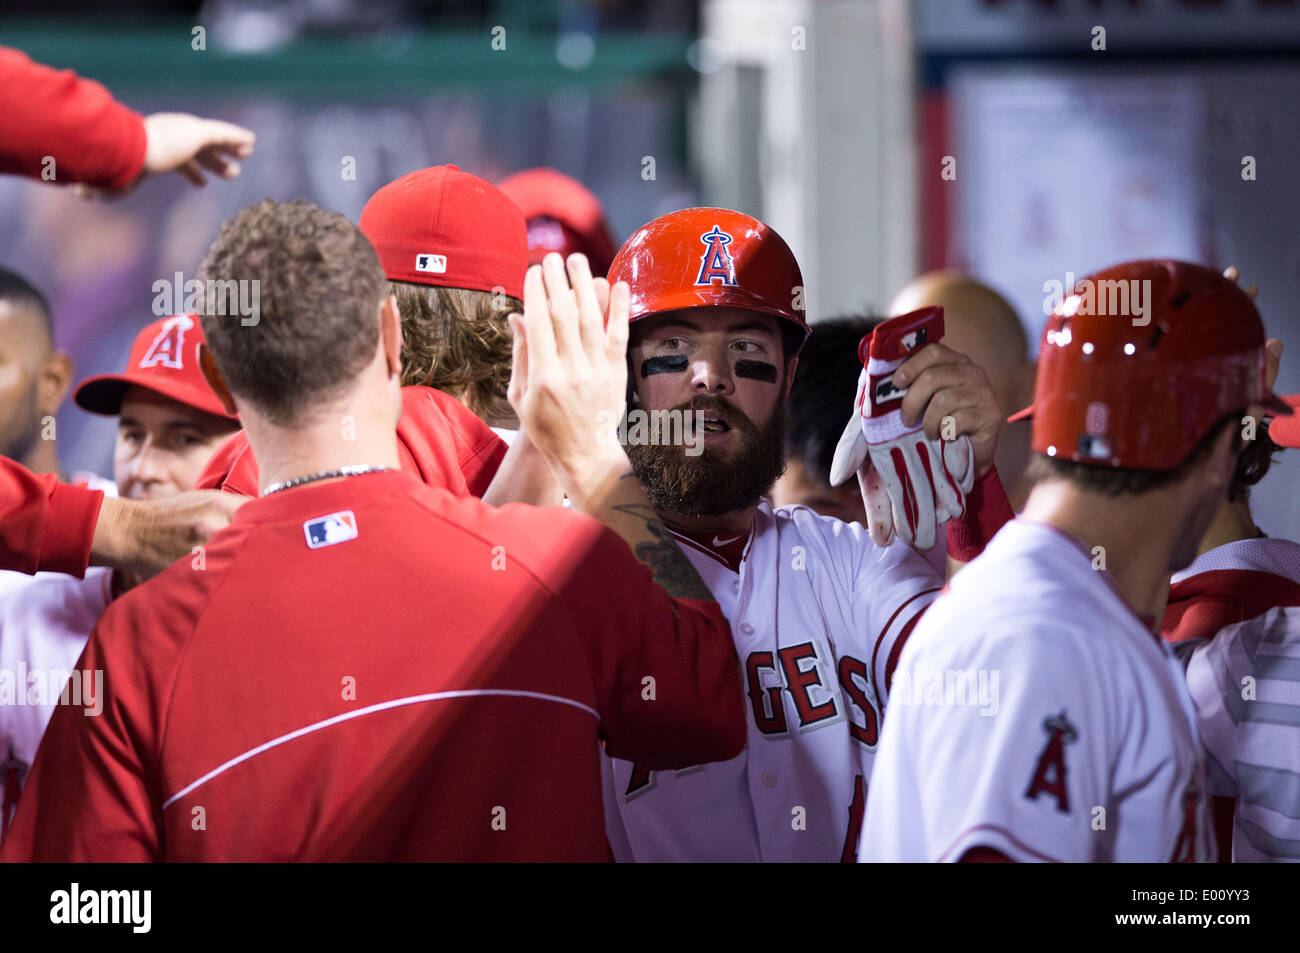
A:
(568, 382)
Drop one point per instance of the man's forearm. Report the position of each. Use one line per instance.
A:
(609, 491)
(523, 477)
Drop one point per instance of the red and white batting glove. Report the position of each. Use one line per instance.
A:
(910, 484)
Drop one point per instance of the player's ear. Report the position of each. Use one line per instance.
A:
(390, 332)
(789, 376)
(215, 380)
(55, 378)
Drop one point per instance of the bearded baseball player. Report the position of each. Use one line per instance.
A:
(1044, 718)
(818, 611)
(369, 668)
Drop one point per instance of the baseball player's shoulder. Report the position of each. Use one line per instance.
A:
(1275, 633)
(428, 407)
(542, 539)
(147, 629)
(436, 425)
(797, 520)
(231, 467)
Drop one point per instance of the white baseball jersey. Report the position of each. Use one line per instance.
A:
(1246, 686)
(1033, 713)
(45, 621)
(818, 613)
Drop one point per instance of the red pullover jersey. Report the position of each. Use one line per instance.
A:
(54, 114)
(439, 440)
(45, 525)
(374, 670)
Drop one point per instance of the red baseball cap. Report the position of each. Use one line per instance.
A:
(165, 360)
(441, 226)
(563, 216)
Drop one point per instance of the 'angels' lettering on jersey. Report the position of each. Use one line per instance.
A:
(819, 615)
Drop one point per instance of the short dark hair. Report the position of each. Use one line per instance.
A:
(825, 385)
(320, 285)
(1116, 481)
(20, 292)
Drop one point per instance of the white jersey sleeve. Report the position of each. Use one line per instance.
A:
(1041, 764)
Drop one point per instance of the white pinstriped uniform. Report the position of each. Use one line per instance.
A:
(1246, 686)
(816, 611)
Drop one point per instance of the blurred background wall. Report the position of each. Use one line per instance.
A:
(880, 137)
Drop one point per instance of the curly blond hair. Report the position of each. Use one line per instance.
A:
(458, 341)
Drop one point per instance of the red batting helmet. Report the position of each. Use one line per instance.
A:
(1139, 361)
(710, 258)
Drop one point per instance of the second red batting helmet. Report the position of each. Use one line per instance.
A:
(710, 258)
(1139, 361)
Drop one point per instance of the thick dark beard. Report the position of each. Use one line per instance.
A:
(708, 484)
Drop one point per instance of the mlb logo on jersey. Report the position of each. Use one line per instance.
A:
(328, 530)
(716, 263)
(168, 347)
(437, 264)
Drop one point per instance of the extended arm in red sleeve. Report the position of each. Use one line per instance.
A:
(665, 673)
(45, 526)
(987, 511)
(91, 137)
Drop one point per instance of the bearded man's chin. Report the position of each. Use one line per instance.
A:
(710, 484)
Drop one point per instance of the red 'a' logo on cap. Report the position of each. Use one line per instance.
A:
(717, 264)
(168, 347)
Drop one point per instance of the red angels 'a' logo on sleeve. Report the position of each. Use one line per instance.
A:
(1050, 772)
(168, 348)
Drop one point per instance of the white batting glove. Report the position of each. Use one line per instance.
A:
(911, 485)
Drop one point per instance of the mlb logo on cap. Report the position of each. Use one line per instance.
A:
(432, 263)
(328, 530)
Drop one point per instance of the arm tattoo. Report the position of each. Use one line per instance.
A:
(667, 563)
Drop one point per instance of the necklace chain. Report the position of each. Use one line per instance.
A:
(323, 475)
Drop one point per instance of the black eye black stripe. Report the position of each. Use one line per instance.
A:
(668, 364)
(758, 370)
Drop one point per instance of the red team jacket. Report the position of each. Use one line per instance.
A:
(430, 683)
(47, 112)
(439, 441)
(45, 525)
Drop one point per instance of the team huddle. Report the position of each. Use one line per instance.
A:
(469, 607)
